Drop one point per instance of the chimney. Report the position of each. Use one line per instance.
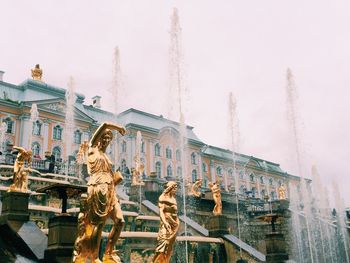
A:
(1, 75)
(96, 101)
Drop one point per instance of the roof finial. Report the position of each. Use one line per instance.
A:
(37, 73)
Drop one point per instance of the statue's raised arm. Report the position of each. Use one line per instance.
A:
(101, 130)
(18, 148)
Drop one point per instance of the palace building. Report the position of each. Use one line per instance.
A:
(160, 151)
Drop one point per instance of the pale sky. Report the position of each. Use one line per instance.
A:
(242, 47)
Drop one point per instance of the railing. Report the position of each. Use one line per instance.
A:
(44, 165)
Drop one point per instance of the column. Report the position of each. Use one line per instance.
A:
(45, 134)
(130, 150)
(200, 172)
(151, 156)
(225, 178)
(212, 171)
(27, 132)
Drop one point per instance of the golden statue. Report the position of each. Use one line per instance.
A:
(37, 73)
(282, 192)
(169, 224)
(20, 173)
(195, 186)
(82, 153)
(215, 189)
(101, 201)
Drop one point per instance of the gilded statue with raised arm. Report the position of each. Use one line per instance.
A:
(20, 172)
(169, 224)
(101, 202)
(195, 188)
(215, 189)
(282, 192)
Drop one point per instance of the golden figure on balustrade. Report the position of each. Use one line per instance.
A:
(215, 189)
(195, 188)
(20, 172)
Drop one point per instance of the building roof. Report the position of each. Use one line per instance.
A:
(242, 159)
(153, 123)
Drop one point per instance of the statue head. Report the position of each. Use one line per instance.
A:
(170, 187)
(106, 138)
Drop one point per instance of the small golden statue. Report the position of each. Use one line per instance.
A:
(82, 153)
(195, 186)
(37, 73)
(101, 201)
(215, 189)
(20, 173)
(169, 224)
(282, 192)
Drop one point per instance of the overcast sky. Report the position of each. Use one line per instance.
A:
(244, 47)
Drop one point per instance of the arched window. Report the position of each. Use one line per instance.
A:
(157, 150)
(159, 169)
(194, 175)
(242, 189)
(37, 128)
(178, 155)
(169, 171)
(279, 182)
(204, 167)
(10, 126)
(123, 166)
(241, 174)
(271, 181)
(168, 153)
(205, 182)
(36, 149)
(273, 195)
(56, 151)
(142, 146)
(179, 171)
(254, 192)
(262, 181)
(222, 185)
(8, 145)
(252, 178)
(77, 137)
(57, 132)
(263, 193)
(193, 158)
(123, 146)
(230, 174)
(219, 170)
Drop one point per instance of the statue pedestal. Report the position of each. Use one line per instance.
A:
(62, 234)
(217, 225)
(15, 206)
(275, 248)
